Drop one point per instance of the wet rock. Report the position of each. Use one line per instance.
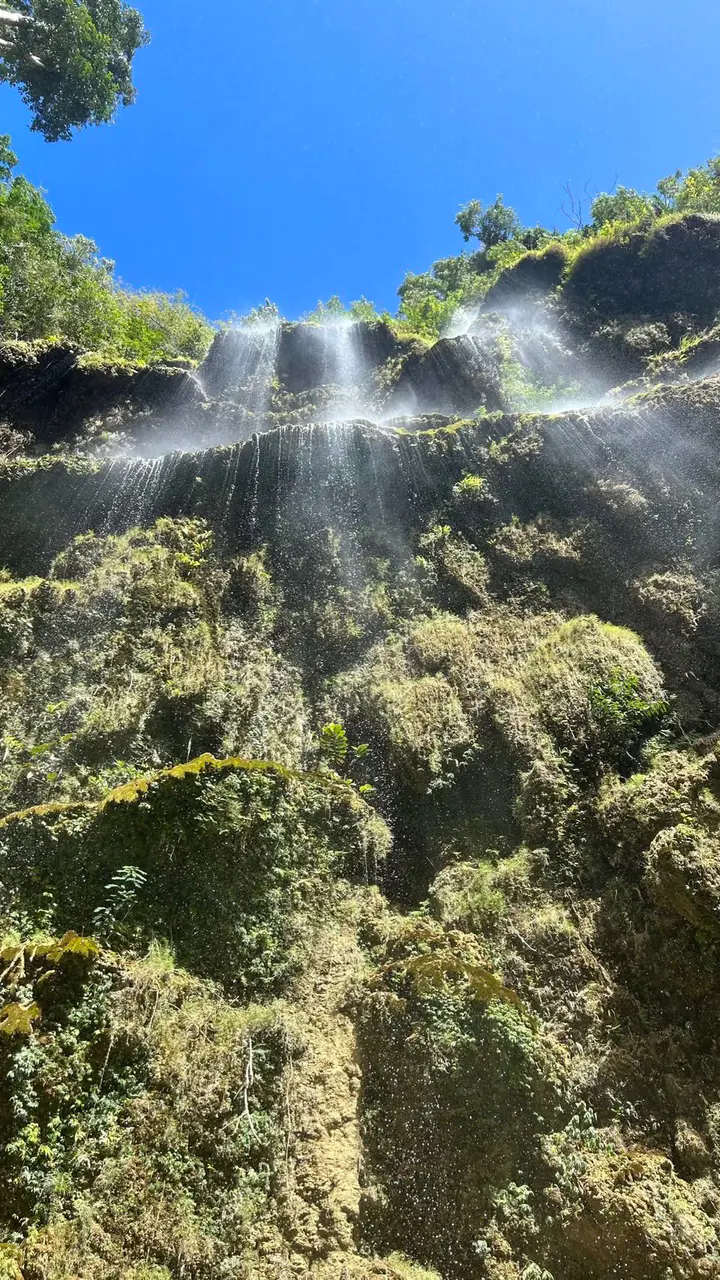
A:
(53, 388)
(534, 276)
(457, 375)
(236, 357)
(312, 355)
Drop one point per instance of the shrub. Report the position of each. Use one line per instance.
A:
(135, 1143)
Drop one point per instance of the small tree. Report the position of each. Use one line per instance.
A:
(625, 204)
(490, 226)
(70, 59)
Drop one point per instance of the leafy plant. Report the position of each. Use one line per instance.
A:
(59, 287)
(122, 893)
(334, 745)
(492, 225)
(623, 714)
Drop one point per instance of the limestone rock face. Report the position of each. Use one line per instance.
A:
(52, 389)
(235, 358)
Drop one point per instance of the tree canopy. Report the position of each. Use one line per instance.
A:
(70, 59)
(492, 225)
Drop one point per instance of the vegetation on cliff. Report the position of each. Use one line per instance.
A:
(359, 780)
(54, 286)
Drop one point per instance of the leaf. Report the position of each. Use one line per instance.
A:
(72, 944)
(16, 1019)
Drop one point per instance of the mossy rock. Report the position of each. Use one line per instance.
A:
(683, 874)
(576, 688)
(680, 786)
(175, 660)
(672, 267)
(415, 723)
(632, 1216)
(430, 1032)
(533, 276)
(238, 856)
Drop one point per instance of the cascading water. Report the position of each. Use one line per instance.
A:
(334, 364)
(206, 454)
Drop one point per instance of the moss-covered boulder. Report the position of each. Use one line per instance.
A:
(683, 871)
(629, 1214)
(235, 859)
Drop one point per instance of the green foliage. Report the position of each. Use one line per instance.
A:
(334, 309)
(492, 225)
(429, 301)
(334, 745)
(697, 191)
(624, 205)
(135, 1143)
(72, 60)
(111, 917)
(623, 715)
(242, 916)
(52, 286)
(471, 487)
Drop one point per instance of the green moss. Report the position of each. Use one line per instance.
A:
(654, 271)
(683, 873)
(162, 673)
(467, 896)
(565, 673)
(276, 840)
(133, 1144)
(423, 1051)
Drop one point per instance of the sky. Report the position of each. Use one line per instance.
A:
(296, 149)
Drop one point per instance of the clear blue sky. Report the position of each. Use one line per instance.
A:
(299, 148)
